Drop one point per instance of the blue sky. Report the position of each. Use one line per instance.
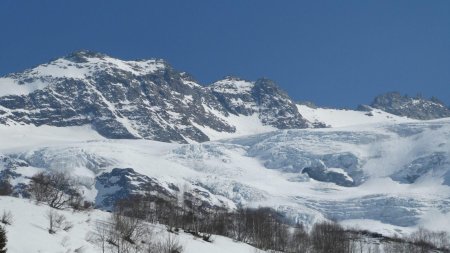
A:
(335, 53)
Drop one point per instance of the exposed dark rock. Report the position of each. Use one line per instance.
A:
(434, 163)
(412, 107)
(323, 175)
(123, 183)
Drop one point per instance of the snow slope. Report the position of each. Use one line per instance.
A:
(342, 117)
(29, 232)
(244, 125)
(393, 174)
(27, 136)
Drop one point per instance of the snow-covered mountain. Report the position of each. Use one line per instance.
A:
(142, 99)
(132, 127)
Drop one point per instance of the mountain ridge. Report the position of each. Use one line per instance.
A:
(149, 99)
(412, 107)
(137, 99)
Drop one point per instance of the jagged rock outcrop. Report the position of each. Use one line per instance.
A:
(411, 107)
(262, 97)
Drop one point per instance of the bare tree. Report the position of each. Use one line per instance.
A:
(51, 217)
(421, 240)
(238, 225)
(329, 237)
(101, 234)
(54, 188)
(396, 244)
(441, 240)
(126, 233)
(299, 241)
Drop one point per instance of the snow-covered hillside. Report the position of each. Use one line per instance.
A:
(345, 117)
(393, 174)
(29, 232)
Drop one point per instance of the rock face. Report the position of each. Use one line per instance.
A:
(263, 97)
(415, 108)
(122, 183)
(138, 99)
(429, 165)
(8, 173)
(342, 169)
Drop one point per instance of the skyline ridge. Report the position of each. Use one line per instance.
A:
(92, 53)
(320, 51)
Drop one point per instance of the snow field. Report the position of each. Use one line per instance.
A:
(29, 232)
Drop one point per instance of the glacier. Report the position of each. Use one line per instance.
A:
(393, 173)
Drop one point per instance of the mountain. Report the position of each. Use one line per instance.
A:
(411, 107)
(145, 99)
(122, 128)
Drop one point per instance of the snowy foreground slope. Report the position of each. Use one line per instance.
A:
(384, 177)
(29, 232)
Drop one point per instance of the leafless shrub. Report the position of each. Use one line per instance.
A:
(126, 233)
(100, 236)
(57, 221)
(170, 244)
(7, 217)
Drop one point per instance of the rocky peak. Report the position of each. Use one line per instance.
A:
(137, 99)
(412, 107)
(82, 56)
(232, 85)
(262, 97)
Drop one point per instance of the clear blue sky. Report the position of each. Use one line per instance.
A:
(335, 53)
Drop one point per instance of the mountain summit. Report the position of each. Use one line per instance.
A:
(142, 99)
(149, 99)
